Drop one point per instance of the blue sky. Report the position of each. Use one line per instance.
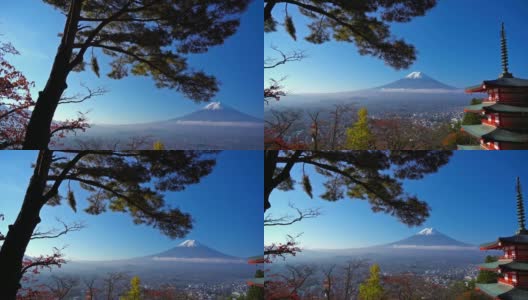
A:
(457, 41)
(32, 26)
(472, 198)
(225, 207)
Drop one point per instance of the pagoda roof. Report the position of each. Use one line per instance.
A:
(501, 82)
(469, 147)
(495, 107)
(256, 282)
(256, 259)
(503, 291)
(492, 133)
(503, 108)
(514, 266)
(519, 239)
(505, 265)
(477, 107)
(494, 265)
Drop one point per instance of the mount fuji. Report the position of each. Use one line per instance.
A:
(417, 81)
(189, 262)
(426, 250)
(430, 238)
(215, 126)
(416, 92)
(217, 113)
(193, 251)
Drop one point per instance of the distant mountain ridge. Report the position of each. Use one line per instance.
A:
(415, 93)
(430, 238)
(416, 81)
(193, 251)
(217, 112)
(214, 127)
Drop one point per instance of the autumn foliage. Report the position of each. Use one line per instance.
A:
(16, 103)
(15, 100)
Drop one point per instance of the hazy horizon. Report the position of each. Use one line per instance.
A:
(32, 28)
(213, 204)
(462, 193)
(454, 46)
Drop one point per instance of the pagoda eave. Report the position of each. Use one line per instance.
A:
(502, 291)
(496, 265)
(491, 246)
(504, 82)
(505, 109)
(476, 89)
(478, 108)
(514, 266)
(256, 282)
(478, 131)
(493, 134)
(256, 260)
(471, 147)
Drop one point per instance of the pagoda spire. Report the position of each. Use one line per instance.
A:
(520, 209)
(504, 55)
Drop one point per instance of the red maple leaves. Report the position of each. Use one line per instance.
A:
(33, 266)
(16, 103)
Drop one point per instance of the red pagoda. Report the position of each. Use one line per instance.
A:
(257, 281)
(504, 112)
(512, 267)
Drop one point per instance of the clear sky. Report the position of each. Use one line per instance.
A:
(225, 207)
(32, 26)
(472, 198)
(458, 43)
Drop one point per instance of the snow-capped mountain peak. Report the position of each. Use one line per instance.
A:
(416, 75)
(192, 251)
(189, 243)
(427, 231)
(219, 114)
(416, 81)
(214, 106)
(430, 238)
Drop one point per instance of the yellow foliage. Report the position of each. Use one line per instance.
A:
(359, 136)
(158, 145)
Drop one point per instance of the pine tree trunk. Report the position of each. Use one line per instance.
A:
(270, 164)
(19, 234)
(39, 127)
(38, 132)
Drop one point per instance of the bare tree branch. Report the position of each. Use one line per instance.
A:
(55, 233)
(289, 220)
(271, 62)
(79, 98)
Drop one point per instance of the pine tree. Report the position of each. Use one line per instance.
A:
(255, 292)
(132, 183)
(364, 23)
(158, 145)
(472, 118)
(16, 104)
(135, 290)
(371, 289)
(359, 136)
(488, 276)
(142, 37)
(358, 175)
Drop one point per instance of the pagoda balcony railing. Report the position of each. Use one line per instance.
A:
(508, 281)
(515, 257)
(490, 123)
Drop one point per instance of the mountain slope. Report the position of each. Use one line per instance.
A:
(429, 238)
(216, 126)
(416, 81)
(415, 93)
(217, 112)
(193, 251)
